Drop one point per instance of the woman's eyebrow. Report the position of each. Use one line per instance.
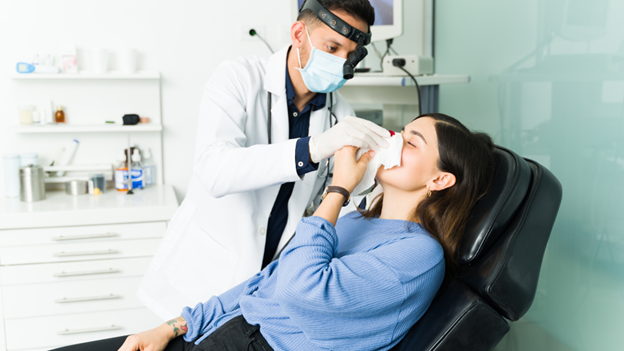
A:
(417, 134)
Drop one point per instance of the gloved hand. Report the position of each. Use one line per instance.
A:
(351, 131)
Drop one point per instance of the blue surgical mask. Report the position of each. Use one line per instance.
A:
(324, 72)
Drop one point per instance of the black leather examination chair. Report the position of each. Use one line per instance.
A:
(500, 259)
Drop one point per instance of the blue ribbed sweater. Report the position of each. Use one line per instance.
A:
(359, 286)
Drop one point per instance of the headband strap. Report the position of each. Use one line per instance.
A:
(334, 22)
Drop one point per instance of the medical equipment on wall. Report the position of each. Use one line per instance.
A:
(416, 65)
(343, 28)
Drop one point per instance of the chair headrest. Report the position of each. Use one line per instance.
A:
(493, 213)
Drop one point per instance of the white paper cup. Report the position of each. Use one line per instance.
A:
(99, 60)
(127, 59)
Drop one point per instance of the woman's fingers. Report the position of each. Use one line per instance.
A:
(367, 157)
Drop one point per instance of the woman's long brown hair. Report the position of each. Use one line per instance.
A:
(470, 157)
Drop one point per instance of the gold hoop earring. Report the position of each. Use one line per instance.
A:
(428, 192)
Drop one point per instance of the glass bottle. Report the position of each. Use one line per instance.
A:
(60, 115)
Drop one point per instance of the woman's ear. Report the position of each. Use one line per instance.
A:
(443, 181)
(297, 33)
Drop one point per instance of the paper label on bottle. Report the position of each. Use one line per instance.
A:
(121, 179)
(137, 179)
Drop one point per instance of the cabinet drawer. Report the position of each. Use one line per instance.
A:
(32, 300)
(78, 251)
(72, 271)
(56, 331)
(94, 233)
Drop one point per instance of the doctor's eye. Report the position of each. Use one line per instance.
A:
(331, 48)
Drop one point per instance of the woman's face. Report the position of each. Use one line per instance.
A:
(419, 158)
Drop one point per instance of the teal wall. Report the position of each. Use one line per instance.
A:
(548, 82)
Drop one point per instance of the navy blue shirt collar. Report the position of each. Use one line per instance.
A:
(317, 102)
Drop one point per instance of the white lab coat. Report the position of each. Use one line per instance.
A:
(216, 238)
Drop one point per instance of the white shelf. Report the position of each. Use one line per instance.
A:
(88, 75)
(381, 80)
(94, 128)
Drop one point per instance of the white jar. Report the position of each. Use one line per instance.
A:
(26, 114)
(11, 165)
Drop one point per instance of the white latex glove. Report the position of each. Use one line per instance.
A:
(351, 131)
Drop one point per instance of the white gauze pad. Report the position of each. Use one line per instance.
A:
(388, 158)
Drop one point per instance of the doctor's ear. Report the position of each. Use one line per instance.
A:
(298, 34)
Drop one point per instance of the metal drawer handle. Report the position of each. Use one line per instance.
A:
(87, 330)
(83, 237)
(85, 253)
(88, 298)
(72, 274)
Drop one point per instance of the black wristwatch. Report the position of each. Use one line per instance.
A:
(340, 190)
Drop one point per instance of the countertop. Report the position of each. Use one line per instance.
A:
(156, 203)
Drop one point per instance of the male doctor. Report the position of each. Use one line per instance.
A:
(266, 132)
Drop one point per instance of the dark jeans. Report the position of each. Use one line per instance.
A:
(235, 335)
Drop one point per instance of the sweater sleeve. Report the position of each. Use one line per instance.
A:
(200, 317)
(338, 300)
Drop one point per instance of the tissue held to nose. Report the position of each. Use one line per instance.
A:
(388, 158)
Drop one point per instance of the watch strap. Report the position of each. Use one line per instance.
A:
(340, 190)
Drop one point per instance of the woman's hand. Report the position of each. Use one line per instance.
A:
(348, 172)
(155, 339)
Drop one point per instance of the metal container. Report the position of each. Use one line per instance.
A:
(32, 184)
(76, 187)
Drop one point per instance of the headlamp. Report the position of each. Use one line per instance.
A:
(343, 28)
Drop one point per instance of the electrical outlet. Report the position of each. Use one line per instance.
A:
(244, 32)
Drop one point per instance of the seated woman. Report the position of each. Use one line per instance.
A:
(358, 283)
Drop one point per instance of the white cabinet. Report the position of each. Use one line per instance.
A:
(77, 282)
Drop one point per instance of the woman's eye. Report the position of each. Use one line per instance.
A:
(331, 48)
(412, 144)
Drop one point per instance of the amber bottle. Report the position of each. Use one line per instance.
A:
(60, 115)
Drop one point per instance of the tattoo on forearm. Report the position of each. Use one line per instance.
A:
(178, 324)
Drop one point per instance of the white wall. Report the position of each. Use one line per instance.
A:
(184, 40)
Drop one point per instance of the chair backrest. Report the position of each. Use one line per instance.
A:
(500, 258)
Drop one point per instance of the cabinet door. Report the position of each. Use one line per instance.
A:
(34, 300)
(17, 255)
(81, 234)
(56, 331)
(73, 271)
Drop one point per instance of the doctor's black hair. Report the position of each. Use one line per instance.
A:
(360, 9)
